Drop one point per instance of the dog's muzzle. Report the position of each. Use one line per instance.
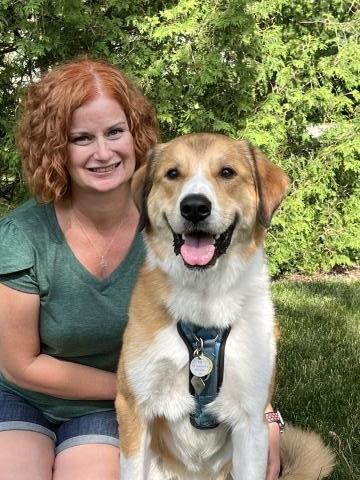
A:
(199, 247)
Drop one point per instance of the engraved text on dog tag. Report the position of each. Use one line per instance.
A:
(201, 366)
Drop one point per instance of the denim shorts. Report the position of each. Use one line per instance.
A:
(17, 414)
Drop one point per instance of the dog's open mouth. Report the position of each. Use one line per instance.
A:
(200, 249)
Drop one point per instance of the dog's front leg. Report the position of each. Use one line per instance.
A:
(250, 451)
(136, 465)
(134, 441)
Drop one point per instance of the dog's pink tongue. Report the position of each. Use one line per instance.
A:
(198, 250)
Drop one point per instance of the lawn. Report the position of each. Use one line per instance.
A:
(318, 379)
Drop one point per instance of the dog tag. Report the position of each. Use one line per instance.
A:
(198, 384)
(201, 366)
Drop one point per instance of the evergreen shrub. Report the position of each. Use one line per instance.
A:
(284, 75)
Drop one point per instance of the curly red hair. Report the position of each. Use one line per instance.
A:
(42, 135)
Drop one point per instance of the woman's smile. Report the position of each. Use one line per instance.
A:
(107, 169)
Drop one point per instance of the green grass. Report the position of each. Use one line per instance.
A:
(318, 376)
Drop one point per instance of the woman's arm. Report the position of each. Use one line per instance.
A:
(273, 468)
(22, 363)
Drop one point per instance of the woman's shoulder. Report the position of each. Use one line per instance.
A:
(26, 213)
(25, 237)
(21, 232)
(16, 251)
(29, 219)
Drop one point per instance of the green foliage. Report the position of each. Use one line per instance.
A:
(201, 71)
(265, 70)
(309, 77)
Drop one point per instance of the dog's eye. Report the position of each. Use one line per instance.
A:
(172, 174)
(227, 173)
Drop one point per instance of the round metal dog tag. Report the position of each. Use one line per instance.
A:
(201, 366)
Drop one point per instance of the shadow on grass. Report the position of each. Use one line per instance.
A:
(318, 377)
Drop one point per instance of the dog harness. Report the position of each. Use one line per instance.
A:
(206, 367)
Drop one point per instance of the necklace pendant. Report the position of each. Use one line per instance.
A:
(103, 264)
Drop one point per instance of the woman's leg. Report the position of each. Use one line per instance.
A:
(87, 448)
(27, 440)
(87, 462)
(26, 455)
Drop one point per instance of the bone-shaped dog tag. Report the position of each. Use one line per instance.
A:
(198, 384)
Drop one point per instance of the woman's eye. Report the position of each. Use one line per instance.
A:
(172, 174)
(227, 173)
(81, 140)
(115, 132)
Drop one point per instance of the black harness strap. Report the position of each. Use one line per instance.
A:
(213, 341)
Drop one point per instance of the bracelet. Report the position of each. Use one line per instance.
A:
(275, 417)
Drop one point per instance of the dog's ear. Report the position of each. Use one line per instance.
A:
(141, 185)
(140, 192)
(271, 183)
(137, 186)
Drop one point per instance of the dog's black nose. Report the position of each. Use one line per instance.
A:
(195, 207)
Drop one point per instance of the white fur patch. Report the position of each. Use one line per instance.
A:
(199, 184)
(159, 377)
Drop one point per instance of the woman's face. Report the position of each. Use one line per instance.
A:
(101, 153)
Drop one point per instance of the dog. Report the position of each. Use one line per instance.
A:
(201, 320)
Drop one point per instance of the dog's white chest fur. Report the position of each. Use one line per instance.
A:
(160, 376)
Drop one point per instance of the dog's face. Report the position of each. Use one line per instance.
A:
(202, 195)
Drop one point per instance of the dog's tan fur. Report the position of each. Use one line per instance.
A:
(304, 456)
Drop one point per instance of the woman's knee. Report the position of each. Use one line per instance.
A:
(87, 462)
(25, 454)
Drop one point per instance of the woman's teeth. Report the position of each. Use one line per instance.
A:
(104, 169)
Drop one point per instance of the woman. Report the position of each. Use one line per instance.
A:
(69, 261)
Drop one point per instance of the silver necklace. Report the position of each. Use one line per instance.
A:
(102, 255)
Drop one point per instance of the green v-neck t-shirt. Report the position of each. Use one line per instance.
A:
(82, 317)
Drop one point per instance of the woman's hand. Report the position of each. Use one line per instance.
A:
(273, 467)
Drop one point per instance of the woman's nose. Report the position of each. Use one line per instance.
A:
(103, 151)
